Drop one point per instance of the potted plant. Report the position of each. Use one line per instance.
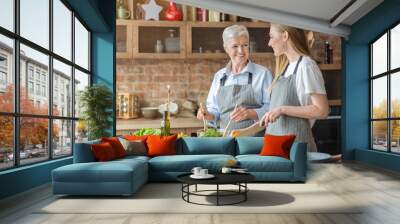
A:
(96, 102)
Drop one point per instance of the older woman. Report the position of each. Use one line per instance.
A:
(238, 94)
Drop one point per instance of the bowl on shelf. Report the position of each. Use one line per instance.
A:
(149, 112)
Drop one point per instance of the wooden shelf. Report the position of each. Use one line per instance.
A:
(335, 102)
(330, 66)
(132, 34)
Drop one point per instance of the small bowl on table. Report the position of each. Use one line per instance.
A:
(149, 112)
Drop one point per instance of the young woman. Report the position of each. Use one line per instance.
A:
(298, 95)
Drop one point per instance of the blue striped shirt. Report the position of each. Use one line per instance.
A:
(262, 78)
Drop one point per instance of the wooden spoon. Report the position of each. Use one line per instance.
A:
(229, 123)
(204, 119)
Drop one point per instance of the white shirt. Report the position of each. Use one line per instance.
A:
(309, 80)
(262, 78)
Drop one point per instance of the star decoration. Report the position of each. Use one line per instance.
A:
(151, 10)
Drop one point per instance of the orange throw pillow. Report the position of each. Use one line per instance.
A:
(161, 145)
(277, 145)
(103, 152)
(116, 145)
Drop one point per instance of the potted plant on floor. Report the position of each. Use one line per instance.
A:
(96, 102)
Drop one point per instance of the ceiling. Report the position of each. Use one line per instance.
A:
(327, 16)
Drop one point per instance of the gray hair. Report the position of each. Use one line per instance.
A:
(234, 31)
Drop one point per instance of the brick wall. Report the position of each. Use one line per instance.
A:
(189, 78)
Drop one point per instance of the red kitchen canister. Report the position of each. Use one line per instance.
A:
(173, 13)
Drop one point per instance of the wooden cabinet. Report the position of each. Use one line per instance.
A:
(204, 39)
(124, 39)
(146, 34)
(138, 38)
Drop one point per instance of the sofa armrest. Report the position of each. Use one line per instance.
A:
(83, 152)
(298, 155)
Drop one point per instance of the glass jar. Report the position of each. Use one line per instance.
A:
(159, 47)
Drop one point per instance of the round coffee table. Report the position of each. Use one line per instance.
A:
(238, 179)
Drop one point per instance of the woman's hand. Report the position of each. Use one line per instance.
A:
(271, 116)
(241, 113)
(202, 113)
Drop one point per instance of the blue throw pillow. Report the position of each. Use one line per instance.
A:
(207, 145)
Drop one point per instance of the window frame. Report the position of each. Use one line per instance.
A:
(388, 74)
(16, 114)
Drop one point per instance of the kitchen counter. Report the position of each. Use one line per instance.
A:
(179, 124)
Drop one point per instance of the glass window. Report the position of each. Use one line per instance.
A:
(395, 95)
(379, 135)
(33, 140)
(3, 78)
(43, 90)
(35, 21)
(379, 98)
(3, 61)
(38, 74)
(34, 80)
(385, 94)
(81, 81)
(81, 45)
(7, 14)
(37, 89)
(395, 136)
(379, 56)
(62, 29)
(30, 72)
(30, 87)
(6, 73)
(395, 47)
(6, 142)
(62, 138)
(81, 131)
(62, 72)
(40, 62)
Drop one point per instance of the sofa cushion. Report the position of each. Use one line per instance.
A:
(161, 145)
(249, 145)
(112, 171)
(134, 147)
(275, 145)
(185, 163)
(257, 163)
(103, 152)
(207, 145)
(116, 145)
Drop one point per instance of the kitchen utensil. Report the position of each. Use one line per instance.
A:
(204, 119)
(229, 123)
(249, 131)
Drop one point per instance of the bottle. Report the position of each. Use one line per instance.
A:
(165, 124)
(326, 53)
(224, 17)
(202, 14)
(172, 43)
(158, 48)
(330, 54)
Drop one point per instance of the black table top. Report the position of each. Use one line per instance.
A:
(220, 178)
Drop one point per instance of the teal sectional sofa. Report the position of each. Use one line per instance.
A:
(125, 176)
